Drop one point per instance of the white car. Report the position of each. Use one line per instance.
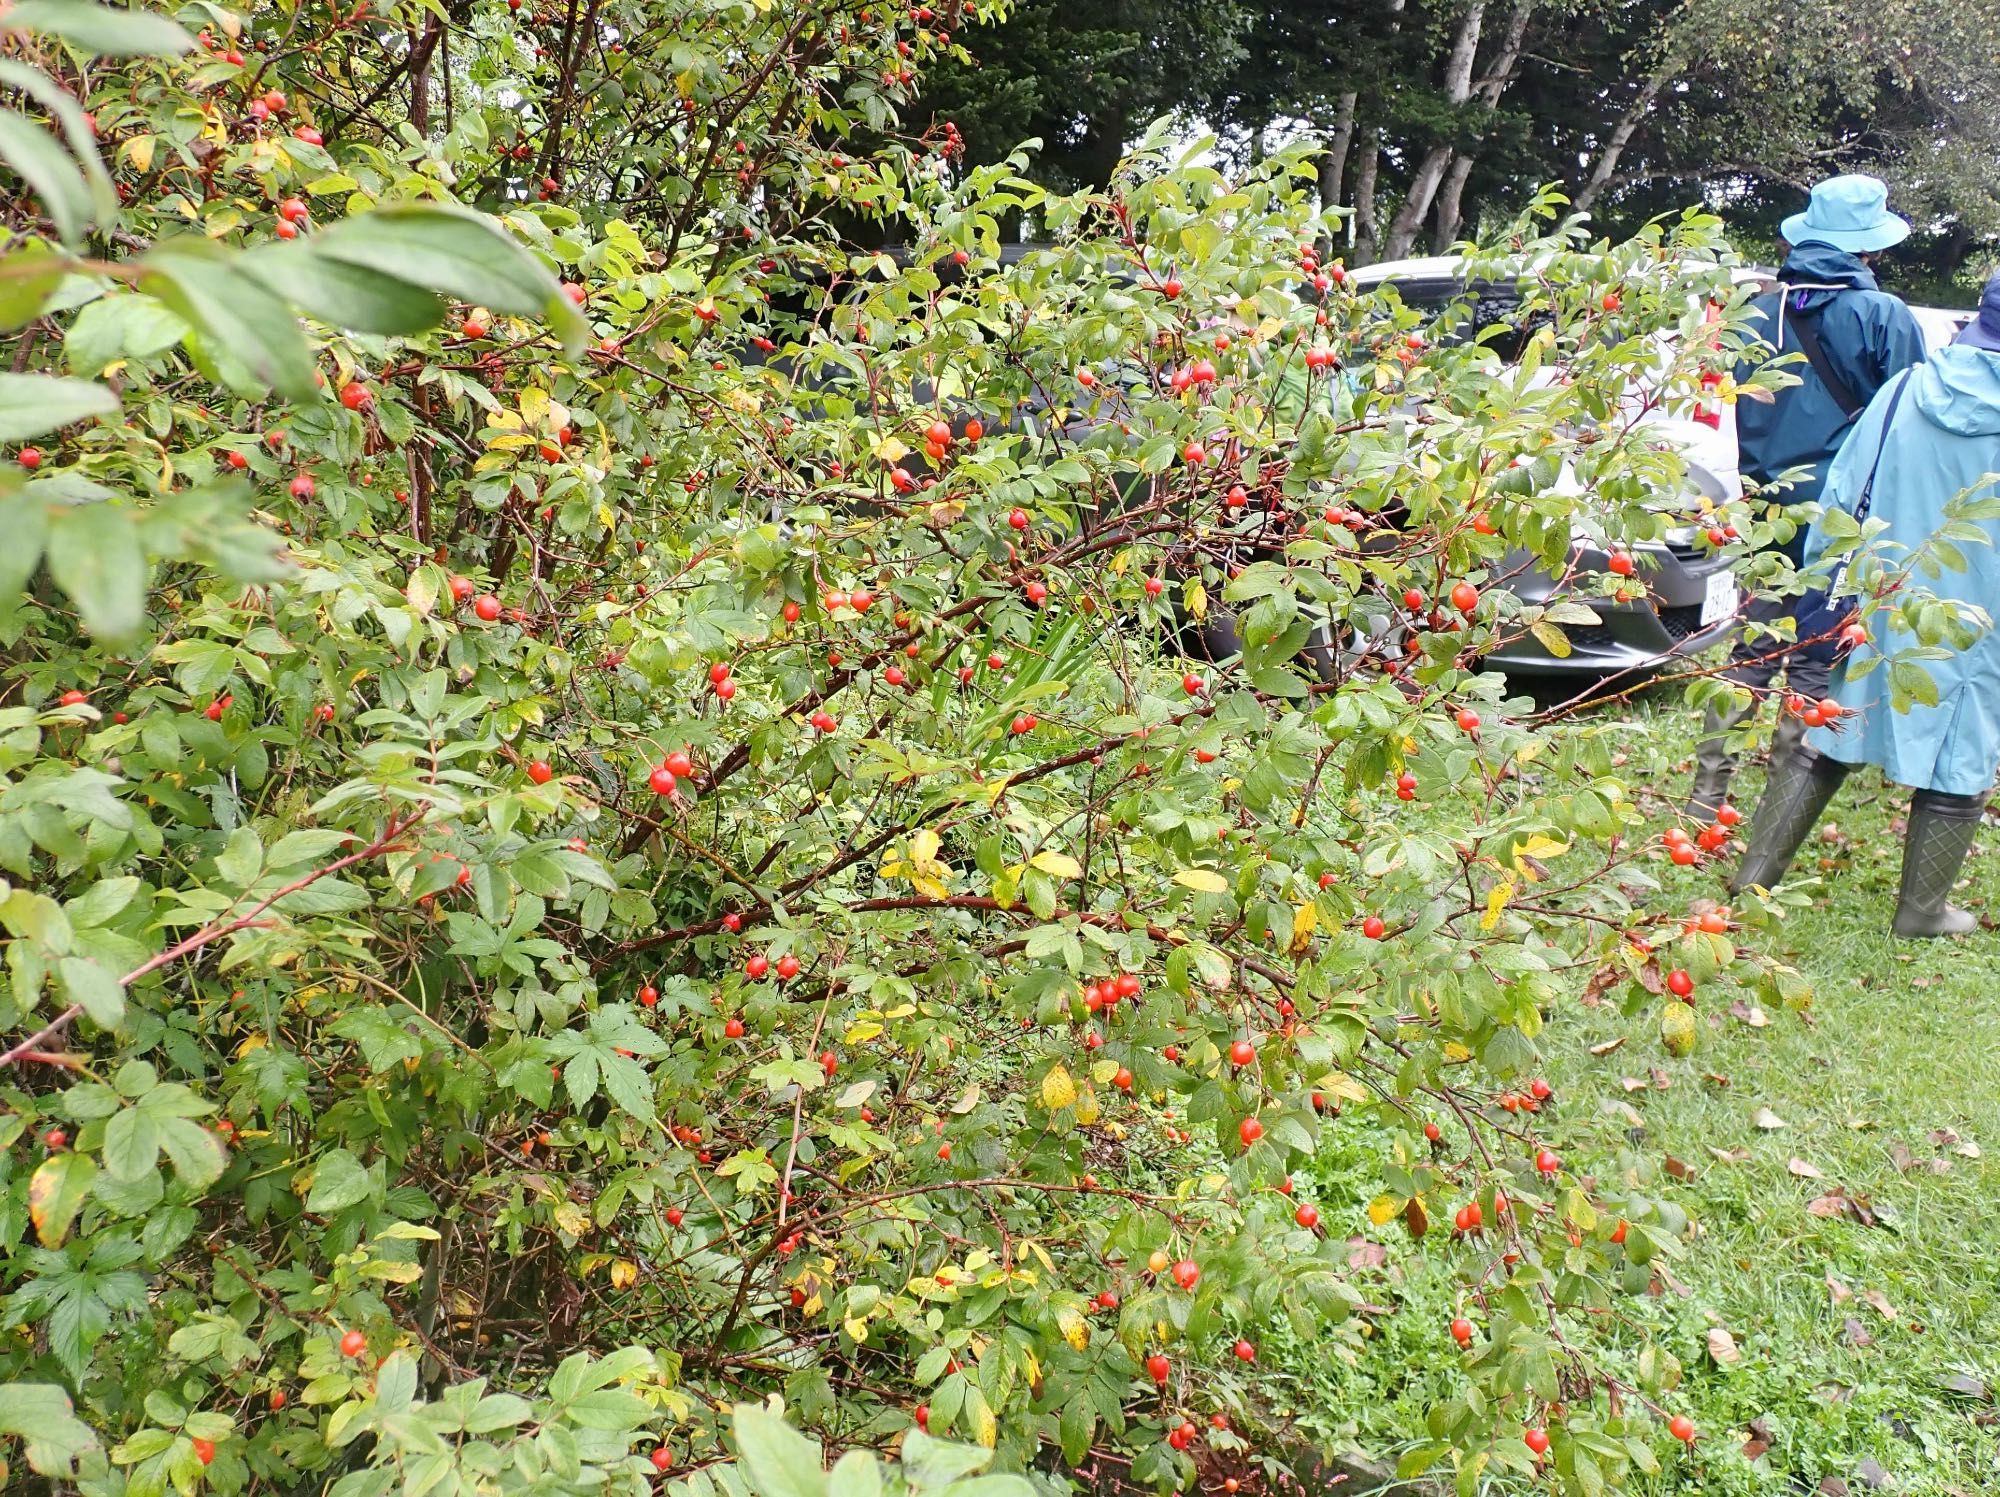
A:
(1692, 597)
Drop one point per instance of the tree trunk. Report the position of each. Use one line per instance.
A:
(1450, 200)
(1621, 136)
(1361, 228)
(1333, 160)
(1097, 155)
(420, 74)
(1430, 171)
(1451, 192)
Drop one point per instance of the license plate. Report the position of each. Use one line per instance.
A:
(1718, 600)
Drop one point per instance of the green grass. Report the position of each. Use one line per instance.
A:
(1902, 1040)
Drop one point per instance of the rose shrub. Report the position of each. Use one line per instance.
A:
(576, 858)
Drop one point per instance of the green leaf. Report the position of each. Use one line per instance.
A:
(93, 988)
(928, 1462)
(50, 173)
(341, 294)
(100, 31)
(31, 404)
(339, 1181)
(457, 252)
(856, 1474)
(198, 1155)
(27, 275)
(777, 1459)
(242, 326)
(24, 520)
(131, 1144)
(43, 1416)
(96, 558)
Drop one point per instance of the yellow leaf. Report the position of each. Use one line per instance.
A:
(995, 788)
(858, 1329)
(1454, 1051)
(534, 405)
(1075, 1329)
(1305, 920)
(1196, 598)
(1678, 1030)
(1496, 901)
(891, 448)
(1058, 1088)
(572, 1218)
(255, 1042)
(1340, 1084)
(1086, 1108)
(624, 1273)
(1057, 865)
(138, 149)
(1383, 1210)
(985, 1428)
(1536, 846)
(507, 420)
(924, 846)
(1207, 880)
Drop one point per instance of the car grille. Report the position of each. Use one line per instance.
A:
(1589, 637)
(1682, 622)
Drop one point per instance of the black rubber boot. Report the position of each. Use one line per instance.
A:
(1714, 765)
(1941, 831)
(1801, 784)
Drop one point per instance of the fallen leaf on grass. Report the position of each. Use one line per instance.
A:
(1600, 1051)
(1837, 1203)
(1678, 1169)
(1661, 1080)
(1831, 1486)
(1766, 1119)
(1729, 1156)
(1855, 1334)
(1839, 1291)
(1361, 1253)
(1805, 1171)
(1965, 1386)
(1749, 1013)
(1901, 1157)
(1716, 1079)
(1722, 1347)
(1634, 1083)
(1879, 1302)
(1968, 1149)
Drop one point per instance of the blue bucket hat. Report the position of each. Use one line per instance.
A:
(1850, 213)
(1983, 332)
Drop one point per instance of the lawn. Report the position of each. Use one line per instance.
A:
(1860, 1345)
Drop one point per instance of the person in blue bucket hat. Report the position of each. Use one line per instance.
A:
(1854, 337)
(1928, 437)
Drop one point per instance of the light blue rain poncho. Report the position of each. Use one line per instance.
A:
(1943, 441)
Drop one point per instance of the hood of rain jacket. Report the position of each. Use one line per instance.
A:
(1868, 337)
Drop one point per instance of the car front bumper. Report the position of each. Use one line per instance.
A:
(1641, 636)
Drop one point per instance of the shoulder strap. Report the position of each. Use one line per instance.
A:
(1843, 395)
(1867, 498)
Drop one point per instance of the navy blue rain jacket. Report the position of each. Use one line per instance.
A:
(1868, 336)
